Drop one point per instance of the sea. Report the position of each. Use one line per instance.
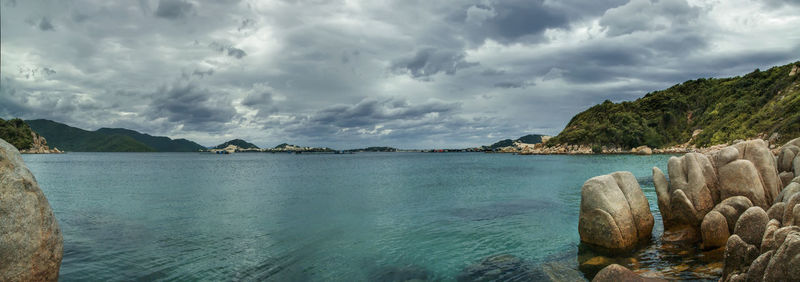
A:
(328, 217)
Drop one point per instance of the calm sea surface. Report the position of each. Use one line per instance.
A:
(317, 217)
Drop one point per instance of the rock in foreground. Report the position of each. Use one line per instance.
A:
(617, 273)
(614, 212)
(31, 245)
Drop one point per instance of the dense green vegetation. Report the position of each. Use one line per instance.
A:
(239, 143)
(531, 139)
(68, 138)
(726, 109)
(16, 132)
(528, 139)
(159, 143)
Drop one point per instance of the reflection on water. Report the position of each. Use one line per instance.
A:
(359, 217)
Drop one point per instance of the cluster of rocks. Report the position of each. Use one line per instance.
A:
(31, 244)
(39, 146)
(739, 197)
(560, 149)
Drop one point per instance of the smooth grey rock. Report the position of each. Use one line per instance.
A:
(31, 245)
(558, 272)
(796, 165)
(617, 273)
(757, 152)
(738, 255)
(692, 175)
(756, 271)
(614, 212)
(786, 156)
(740, 178)
(787, 192)
(714, 230)
(662, 195)
(726, 155)
(786, 178)
(768, 241)
(751, 225)
(783, 265)
(776, 211)
(732, 208)
(788, 211)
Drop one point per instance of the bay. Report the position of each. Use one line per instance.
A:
(316, 217)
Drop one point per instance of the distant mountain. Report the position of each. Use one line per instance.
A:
(68, 138)
(159, 143)
(239, 143)
(717, 110)
(374, 149)
(528, 139)
(16, 132)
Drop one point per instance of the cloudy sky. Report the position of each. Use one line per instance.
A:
(348, 73)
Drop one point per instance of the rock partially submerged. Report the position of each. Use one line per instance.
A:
(617, 273)
(31, 244)
(614, 214)
(502, 267)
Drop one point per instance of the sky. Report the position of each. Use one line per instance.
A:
(349, 74)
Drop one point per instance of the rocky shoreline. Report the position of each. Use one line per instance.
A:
(39, 146)
(743, 200)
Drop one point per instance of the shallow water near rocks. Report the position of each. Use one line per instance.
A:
(324, 217)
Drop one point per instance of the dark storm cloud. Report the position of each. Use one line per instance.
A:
(430, 61)
(173, 9)
(370, 112)
(45, 24)
(202, 74)
(350, 73)
(192, 107)
(229, 50)
(509, 84)
(641, 15)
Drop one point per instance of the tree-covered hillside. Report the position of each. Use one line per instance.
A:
(16, 132)
(726, 109)
(68, 138)
(159, 143)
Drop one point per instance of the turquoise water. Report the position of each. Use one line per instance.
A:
(315, 217)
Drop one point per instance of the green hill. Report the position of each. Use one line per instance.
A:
(238, 142)
(531, 139)
(68, 138)
(159, 143)
(528, 139)
(16, 132)
(726, 109)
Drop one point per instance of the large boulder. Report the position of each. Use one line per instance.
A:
(719, 224)
(751, 225)
(714, 230)
(786, 156)
(740, 178)
(788, 191)
(692, 190)
(616, 273)
(614, 212)
(789, 210)
(786, 178)
(783, 265)
(31, 245)
(738, 256)
(758, 153)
